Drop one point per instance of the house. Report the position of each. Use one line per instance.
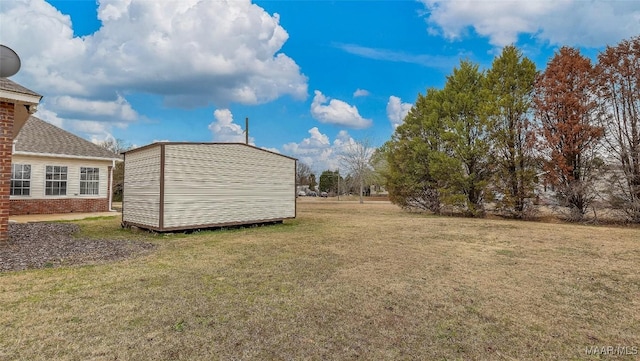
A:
(16, 104)
(179, 186)
(54, 171)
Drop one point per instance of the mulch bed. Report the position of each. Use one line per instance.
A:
(43, 245)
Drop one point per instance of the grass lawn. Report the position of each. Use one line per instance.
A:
(342, 281)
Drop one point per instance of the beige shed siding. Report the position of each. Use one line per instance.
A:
(38, 171)
(142, 187)
(213, 184)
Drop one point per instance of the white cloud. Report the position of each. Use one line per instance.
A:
(274, 150)
(316, 141)
(93, 109)
(563, 22)
(321, 153)
(223, 129)
(49, 116)
(360, 93)
(91, 129)
(318, 151)
(397, 110)
(337, 112)
(190, 52)
(430, 61)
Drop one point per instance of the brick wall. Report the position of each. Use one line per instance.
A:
(6, 143)
(50, 206)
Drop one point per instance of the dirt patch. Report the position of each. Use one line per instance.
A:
(42, 245)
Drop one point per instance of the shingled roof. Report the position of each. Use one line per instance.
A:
(38, 136)
(8, 85)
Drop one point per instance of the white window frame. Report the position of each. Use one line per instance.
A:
(53, 180)
(95, 183)
(23, 188)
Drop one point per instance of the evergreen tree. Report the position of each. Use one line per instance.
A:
(461, 165)
(508, 93)
(409, 154)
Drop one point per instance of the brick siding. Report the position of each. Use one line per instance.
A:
(51, 206)
(6, 144)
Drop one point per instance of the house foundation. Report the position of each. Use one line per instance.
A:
(52, 206)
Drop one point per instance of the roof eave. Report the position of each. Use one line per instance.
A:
(66, 156)
(134, 150)
(19, 97)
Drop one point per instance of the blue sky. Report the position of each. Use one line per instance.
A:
(312, 76)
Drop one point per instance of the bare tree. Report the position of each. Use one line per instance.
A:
(303, 171)
(117, 146)
(618, 74)
(355, 159)
(566, 107)
(305, 176)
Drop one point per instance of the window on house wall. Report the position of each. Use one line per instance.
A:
(20, 179)
(89, 180)
(55, 181)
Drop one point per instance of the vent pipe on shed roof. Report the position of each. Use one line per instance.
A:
(246, 130)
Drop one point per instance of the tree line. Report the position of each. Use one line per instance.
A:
(508, 135)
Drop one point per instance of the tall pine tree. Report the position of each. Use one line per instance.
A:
(509, 89)
(461, 165)
(409, 155)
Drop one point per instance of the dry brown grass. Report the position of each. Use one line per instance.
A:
(342, 281)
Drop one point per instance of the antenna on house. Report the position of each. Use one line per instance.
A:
(9, 62)
(246, 130)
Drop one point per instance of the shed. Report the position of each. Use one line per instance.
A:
(172, 186)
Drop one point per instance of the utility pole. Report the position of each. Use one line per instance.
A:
(338, 171)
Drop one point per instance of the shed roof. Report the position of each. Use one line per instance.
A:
(40, 137)
(220, 144)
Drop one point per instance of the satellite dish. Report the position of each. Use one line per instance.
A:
(9, 62)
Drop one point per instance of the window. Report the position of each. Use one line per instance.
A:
(20, 179)
(89, 180)
(55, 181)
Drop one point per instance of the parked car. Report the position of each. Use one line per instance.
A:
(324, 194)
(301, 194)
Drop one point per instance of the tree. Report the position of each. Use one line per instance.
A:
(312, 182)
(330, 181)
(509, 89)
(303, 174)
(461, 166)
(618, 80)
(380, 167)
(117, 146)
(409, 154)
(356, 161)
(565, 106)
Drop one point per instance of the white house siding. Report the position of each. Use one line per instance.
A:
(208, 184)
(38, 171)
(142, 187)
